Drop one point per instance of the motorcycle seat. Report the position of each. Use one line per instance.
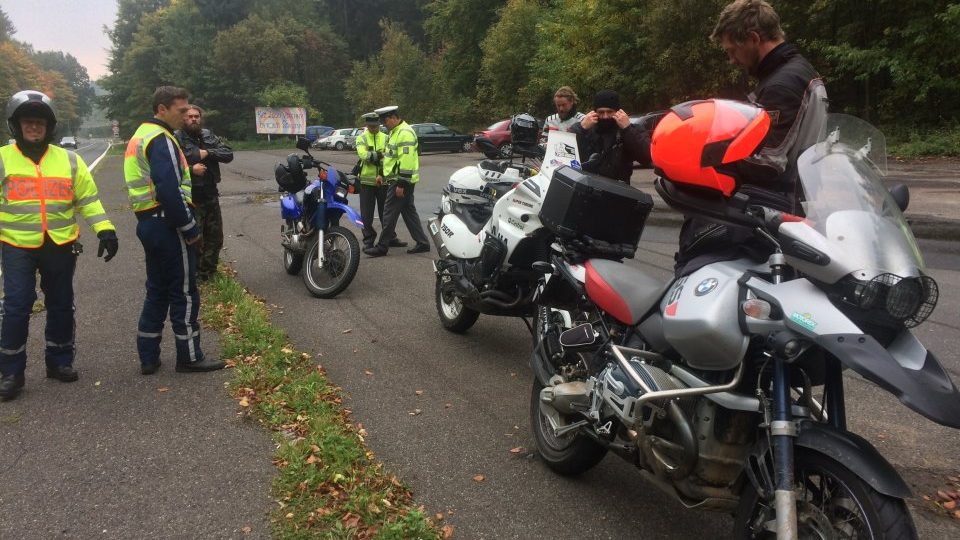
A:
(473, 216)
(625, 293)
(494, 165)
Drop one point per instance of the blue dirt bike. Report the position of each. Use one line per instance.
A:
(311, 235)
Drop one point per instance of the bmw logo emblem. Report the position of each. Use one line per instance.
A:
(706, 286)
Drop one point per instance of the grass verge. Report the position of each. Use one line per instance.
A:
(328, 484)
(281, 142)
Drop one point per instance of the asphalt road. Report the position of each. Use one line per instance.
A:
(118, 455)
(476, 387)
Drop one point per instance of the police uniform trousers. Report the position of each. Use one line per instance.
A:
(397, 207)
(372, 197)
(207, 213)
(171, 288)
(56, 264)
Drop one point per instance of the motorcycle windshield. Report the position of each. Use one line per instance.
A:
(847, 203)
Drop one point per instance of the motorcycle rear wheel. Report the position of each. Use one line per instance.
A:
(341, 252)
(292, 260)
(569, 455)
(832, 502)
(454, 316)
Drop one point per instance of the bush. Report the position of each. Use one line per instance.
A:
(914, 143)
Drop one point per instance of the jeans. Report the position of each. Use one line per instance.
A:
(56, 265)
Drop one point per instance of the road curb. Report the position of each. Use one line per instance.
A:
(96, 162)
(923, 226)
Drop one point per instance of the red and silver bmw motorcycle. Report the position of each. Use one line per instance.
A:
(707, 383)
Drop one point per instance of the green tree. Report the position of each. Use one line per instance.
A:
(7, 30)
(75, 74)
(507, 50)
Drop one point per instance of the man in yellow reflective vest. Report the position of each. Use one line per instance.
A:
(43, 188)
(158, 185)
(371, 145)
(401, 170)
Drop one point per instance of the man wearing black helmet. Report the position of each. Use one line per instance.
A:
(44, 187)
(608, 143)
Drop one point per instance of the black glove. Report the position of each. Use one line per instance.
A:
(108, 244)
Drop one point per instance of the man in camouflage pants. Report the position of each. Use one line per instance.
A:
(205, 152)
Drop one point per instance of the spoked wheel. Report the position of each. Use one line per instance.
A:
(454, 316)
(292, 261)
(506, 149)
(832, 502)
(341, 252)
(570, 454)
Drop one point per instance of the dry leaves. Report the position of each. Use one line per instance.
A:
(447, 531)
(247, 530)
(479, 478)
(415, 412)
(439, 516)
(367, 372)
(351, 521)
(244, 402)
(517, 450)
(418, 392)
(163, 389)
(347, 331)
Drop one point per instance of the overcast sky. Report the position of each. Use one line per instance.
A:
(71, 26)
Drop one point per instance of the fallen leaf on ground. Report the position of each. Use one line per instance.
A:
(944, 495)
(96, 383)
(163, 389)
(247, 529)
(956, 514)
(418, 392)
(312, 459)
(479, 478)
(447, 531)
(516, 450)
(415, 412)
(439, 516)
(447, 405)
(244, 402)
(290, 515)
(347, 331)
(286, 350)
(351, 521)
(367, 372)
(950, 505)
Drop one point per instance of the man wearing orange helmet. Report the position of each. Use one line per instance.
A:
(788, 86)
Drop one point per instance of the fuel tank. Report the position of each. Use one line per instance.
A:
(701, 317)
(459, 241)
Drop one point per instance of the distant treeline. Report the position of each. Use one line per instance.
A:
(467, 63)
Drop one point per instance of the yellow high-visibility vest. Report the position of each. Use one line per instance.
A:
(40, 199)
(136, 168)
(367, 143)
(401, 160)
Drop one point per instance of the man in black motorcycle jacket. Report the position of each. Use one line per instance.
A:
(750, 34)
(608, 143)
(205, 152)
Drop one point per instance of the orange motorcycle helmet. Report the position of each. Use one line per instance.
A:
(695, 143)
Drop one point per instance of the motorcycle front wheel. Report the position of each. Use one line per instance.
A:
(570, 454)
(341, 252)
(454, 316)
(832, 502)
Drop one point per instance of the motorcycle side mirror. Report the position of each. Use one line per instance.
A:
(901, 196)
(303, 144)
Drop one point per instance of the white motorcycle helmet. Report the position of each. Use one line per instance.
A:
(466, 186)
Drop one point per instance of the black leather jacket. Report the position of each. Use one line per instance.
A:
(614, 152)
(217, 153)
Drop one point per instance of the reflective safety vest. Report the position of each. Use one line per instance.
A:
(136, 168)
(367, 143)
(40, 198)
(401, 160)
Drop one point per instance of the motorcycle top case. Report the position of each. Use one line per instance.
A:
(579, 204)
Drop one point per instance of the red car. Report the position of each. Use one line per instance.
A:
(499, 135)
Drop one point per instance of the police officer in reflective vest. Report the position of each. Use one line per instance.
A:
(43, 188)
(401, 169)
(158, 185)
(371, 145)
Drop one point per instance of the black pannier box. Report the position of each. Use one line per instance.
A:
(585, 206)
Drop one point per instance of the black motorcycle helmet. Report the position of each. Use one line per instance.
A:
(524, 132)
(31, 103)
(290, 176)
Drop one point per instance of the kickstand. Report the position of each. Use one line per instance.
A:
(529, 326)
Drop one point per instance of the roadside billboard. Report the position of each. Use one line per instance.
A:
(281, 120)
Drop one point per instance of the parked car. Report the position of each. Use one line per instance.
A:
(499, 135)
(340, 139)
(316, 132)
(438, 138)
(68, 142)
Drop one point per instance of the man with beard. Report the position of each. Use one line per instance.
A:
(608, 143)
(792, 93)
(205, 152)
(566, 117)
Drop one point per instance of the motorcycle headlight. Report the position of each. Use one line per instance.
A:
(908, 300)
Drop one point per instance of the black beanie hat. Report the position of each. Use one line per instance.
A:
(606, 99)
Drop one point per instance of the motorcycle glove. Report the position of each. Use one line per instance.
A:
(108, 243)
